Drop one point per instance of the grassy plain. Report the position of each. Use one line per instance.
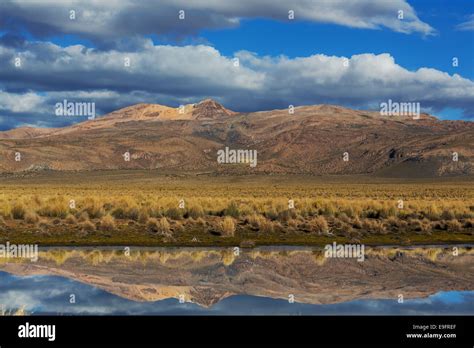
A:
(146, 208)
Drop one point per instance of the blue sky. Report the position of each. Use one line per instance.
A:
(304, 38)
(282, 61)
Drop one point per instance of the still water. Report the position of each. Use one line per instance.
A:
(262, 281)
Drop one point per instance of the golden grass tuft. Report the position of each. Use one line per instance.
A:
(107, 223)
(453, 225)
(161, 226)
(71, 219)
(87, 226)
(31, 217)
(319, 224)
(228, 226)
(196, 212)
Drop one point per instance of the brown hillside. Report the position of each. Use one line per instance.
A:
(312, 141)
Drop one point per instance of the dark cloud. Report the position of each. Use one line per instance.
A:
(12, 40)
(106, 22)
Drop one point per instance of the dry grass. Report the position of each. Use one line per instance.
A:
(161, 226)
(87, 226)
(12, 312)
(31, 218)
(71, 219)
(453, 225)
(107, 223)
(259, 207)
(18, 211)
(266, 226)
(319, 224)
(228, 226)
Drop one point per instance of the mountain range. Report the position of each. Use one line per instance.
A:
(314, 140)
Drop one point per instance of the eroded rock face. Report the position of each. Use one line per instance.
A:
(210, 109)
(207, 276)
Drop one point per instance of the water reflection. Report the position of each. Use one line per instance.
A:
(257, 281)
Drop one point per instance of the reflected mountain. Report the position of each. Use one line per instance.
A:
(207, 276)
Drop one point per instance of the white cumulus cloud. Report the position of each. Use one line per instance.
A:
(174, 75)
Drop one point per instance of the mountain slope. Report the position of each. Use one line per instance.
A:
(313, 140)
